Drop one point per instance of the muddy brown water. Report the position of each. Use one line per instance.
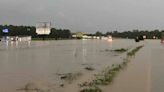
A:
(144, 73)
(39, 61)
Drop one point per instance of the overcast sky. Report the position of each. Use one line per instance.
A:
(85, 15)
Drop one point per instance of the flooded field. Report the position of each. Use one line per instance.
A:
(42, 62)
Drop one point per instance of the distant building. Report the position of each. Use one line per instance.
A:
(43, 28)
(144, 36)
(87, 37)
(78, 35)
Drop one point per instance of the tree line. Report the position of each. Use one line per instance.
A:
(133, 34)
(31, 31)
(66, 33)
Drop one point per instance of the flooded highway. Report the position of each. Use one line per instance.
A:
(39, 62)
(144, 73)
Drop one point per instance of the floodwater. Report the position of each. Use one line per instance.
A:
(40, 61)
(157, 67)
(144, 73)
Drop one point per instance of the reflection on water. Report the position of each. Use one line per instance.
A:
(38, 61)
(14, 44)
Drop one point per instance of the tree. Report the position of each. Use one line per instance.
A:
(98, 33)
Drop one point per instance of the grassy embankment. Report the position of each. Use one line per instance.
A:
(106, 77)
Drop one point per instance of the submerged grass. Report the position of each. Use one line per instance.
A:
(69, 77)
(89, 68)
(106, 77)
(30, 87)
(91, 89)
(120, 50)
(133, 52)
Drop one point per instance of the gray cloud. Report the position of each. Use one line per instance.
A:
(85, 15)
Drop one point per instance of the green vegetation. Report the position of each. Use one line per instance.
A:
(98, 33)
(131, 53)
(120, 50)
(66, 33)
(79, 35)
(41, 39)
(135, 33)
(89, 68)
(107, 76)
(91, 89)
(69, 77)
(30, 87)
(31, 31)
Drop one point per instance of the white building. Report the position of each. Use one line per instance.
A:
(43, 28)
